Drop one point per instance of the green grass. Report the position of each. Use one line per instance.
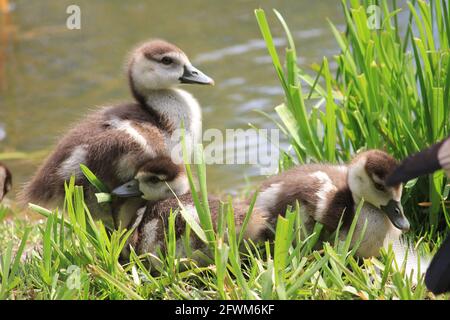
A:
(389, 91)
(76, 257)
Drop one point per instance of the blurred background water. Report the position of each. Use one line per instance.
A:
(50, 76)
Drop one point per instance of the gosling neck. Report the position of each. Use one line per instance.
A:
(149, 102)
(173, 109)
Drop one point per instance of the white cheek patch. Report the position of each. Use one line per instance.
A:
(356, 175)
(377, 179)
(180, 185)
(267, 199)
(141, 72)
(154, 191)
(361, 185)
(326, 187)
(71, 166)
(163, 189)
(127, 127)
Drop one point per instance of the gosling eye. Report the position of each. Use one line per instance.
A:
(379, 187)
(166, 61)
(153, 179)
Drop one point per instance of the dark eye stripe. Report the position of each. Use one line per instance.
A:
(379, 186)
(166, 60)
(153, 179)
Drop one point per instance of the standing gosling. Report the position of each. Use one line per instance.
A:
(328, 192)
(116, 140)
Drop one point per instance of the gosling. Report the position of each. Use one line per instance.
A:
(116, 140)
(326, 193)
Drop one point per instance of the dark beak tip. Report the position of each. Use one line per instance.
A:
(395, 214)
(402, 224)
(405, 227)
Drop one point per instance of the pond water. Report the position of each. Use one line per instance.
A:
(50, 76)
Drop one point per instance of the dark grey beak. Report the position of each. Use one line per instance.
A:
(193, 75)
(129, 189)
(394, 211)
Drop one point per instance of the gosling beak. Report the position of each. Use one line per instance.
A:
(193, 75)
(394, 211)
(424, 162)
(129, 189)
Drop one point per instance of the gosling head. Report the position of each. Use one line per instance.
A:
(158, 64)
(367, 180)
(5, 181)
(156, 180)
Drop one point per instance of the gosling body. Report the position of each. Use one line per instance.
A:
(151, 224)
(331, 193)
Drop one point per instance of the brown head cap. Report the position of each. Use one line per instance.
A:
(378, 163)
(162, 165)
(153, 48)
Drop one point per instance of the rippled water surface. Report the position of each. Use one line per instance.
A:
(50, 77)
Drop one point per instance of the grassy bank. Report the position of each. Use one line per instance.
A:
(390, 90)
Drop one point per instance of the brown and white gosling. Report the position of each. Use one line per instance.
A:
(328, 192)
(154, 181)
(116, 140)
(5, 181)
(151, 224)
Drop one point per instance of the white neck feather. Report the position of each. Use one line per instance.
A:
(179, 107)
